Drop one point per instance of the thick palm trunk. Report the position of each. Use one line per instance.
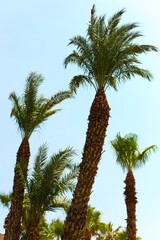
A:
(131, 200)
(13, 220)
(98, 121)
(32, 230)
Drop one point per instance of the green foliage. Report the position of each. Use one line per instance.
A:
(108, 55)
(50, 180)
(31, 110)
(127, 151)
(5, 199)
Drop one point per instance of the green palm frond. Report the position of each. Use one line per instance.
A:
(144, 155)
(114, 20)
(5, 199)
(31, 110)
(51, 179)
(127, 151)
(79, 80)
(108, 55)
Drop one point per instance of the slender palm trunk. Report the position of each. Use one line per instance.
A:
(13, 220)
(131, 200)
(98, 121)
(32, 230)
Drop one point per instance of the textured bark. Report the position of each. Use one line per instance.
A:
(13, 220)
(32, 230)
(131, 200)
(97, 124)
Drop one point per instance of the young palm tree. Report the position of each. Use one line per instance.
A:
(29, 112)
(108, 56)
(129, 157)
(52, 230)
(93, 225)
(47, 186)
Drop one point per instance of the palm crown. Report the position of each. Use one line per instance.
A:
(127, 151)
(30, 110)
(51, 180)
(108, 54)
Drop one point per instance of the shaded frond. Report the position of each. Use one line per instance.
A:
(79, 80)
(5, 199)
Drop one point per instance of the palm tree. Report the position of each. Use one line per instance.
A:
(47, 186)
(129, 157)
(29, 112)
(112, 234)
(52, 230)
(93, 225)
(108, 56)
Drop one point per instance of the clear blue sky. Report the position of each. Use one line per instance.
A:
(34, 37)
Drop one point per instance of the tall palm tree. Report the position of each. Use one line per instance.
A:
(108, 56)
(29, 112)
(47, 186)
(129, 157)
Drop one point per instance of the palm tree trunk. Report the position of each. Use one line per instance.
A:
(13, 220)
(32, 230)
(98, 121)
(131, 200)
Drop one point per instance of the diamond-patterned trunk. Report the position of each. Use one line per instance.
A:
(131, 200)
(32, 230)
(12, 223)
(97, 124)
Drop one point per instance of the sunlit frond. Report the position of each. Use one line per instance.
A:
(31, 110)
(108, 55)
(127, 151)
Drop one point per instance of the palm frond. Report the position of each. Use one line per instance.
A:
(108, 54)
(5, 199)
(114, 20)
(49, 179)
(144, 155)
(127, 151)
(31, 110)
(80, 80)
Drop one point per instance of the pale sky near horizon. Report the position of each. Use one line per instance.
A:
(34, 37)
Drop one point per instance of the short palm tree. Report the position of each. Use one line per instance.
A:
(129, 157)
(108, 56)
(93, 226)
(47, 186)
(29, 112)
(52, 230)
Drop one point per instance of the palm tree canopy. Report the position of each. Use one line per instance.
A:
(127, 151)
(50, 180)
(93, 224)
(108, 54)
(30, 110)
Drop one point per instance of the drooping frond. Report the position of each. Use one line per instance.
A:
(144, 155)
(80, 80)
